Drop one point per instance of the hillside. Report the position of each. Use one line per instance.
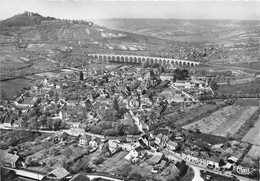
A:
(24, 19)
(213, 31)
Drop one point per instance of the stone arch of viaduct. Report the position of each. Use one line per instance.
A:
(140, 59)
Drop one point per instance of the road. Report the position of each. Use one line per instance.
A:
(172, 155)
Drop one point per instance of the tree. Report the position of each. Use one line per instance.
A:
(180, 74)
(77, 166)
(51, 93)
(67, 152)
(145, 64)
(110, 132)
(134, 174)
(28, 161)
(119, 129)
(56, 124)
(115, 104)
(64, 164)
(156, 65)
(46, 145)
(34, 124)
(214, 86)
(97, 160)
(81, 77)
(162, 69)
(49, 123)
(43, 120)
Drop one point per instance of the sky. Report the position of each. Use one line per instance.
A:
(90, 9)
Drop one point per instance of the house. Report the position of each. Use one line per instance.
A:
(10, 160)
(75, 126)
(64, 136)
(163, 164)
(92, 143)
(57, 174)
(182, 167)
(72, 103)
(132, 154)
(171, 145)
(80, 177)
(156, 158)
(213, 161)
(105, 149)
(58, 116)
(158, 139)
(232, 159)
(84, 140)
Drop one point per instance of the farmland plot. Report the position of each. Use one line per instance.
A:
(234, 126)
(253, 136)
(254, 152)
(251, 157)
(211, 123)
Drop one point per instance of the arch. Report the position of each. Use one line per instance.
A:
(160, 61)
(164, 62)
(126, 59)
(100, 57)
(131, 59)
(139, 60)
(172, 62)
(168, 62)
(180, 63)
(188, 64)
(96, 56)
(183, 64)
(192, 64)
(118, 59)
(176, 63)
(151, 61)
(155, 61)
(143, 59)
(104, 57)
(109, 58)
(135, 59)
(122, 59)
(113, 58)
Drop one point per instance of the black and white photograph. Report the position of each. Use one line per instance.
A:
(116, 90)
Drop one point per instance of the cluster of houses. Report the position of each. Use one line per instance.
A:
(81, 103)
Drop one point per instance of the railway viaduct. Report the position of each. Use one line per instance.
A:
(140, 59)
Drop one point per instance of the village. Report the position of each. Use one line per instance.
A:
(131, 122)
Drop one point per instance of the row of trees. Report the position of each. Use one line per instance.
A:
(227, 96)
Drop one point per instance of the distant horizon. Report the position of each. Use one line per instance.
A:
(95, 10)
(136, 18)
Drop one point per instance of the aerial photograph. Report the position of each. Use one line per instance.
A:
(102, 90)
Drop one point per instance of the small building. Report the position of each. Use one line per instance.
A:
(156, 158)
(84, 140)
(171, 145)
(80, 177)
(57, 174)
(10, 160)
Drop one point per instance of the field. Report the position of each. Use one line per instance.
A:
(252, 156)
(226, 121)
(210, 124)
(112, 163)
(11, 88)
(194, 114)
(252, 65)
(216, 177)
(245, 88)
(234, 125)
(253, 136)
